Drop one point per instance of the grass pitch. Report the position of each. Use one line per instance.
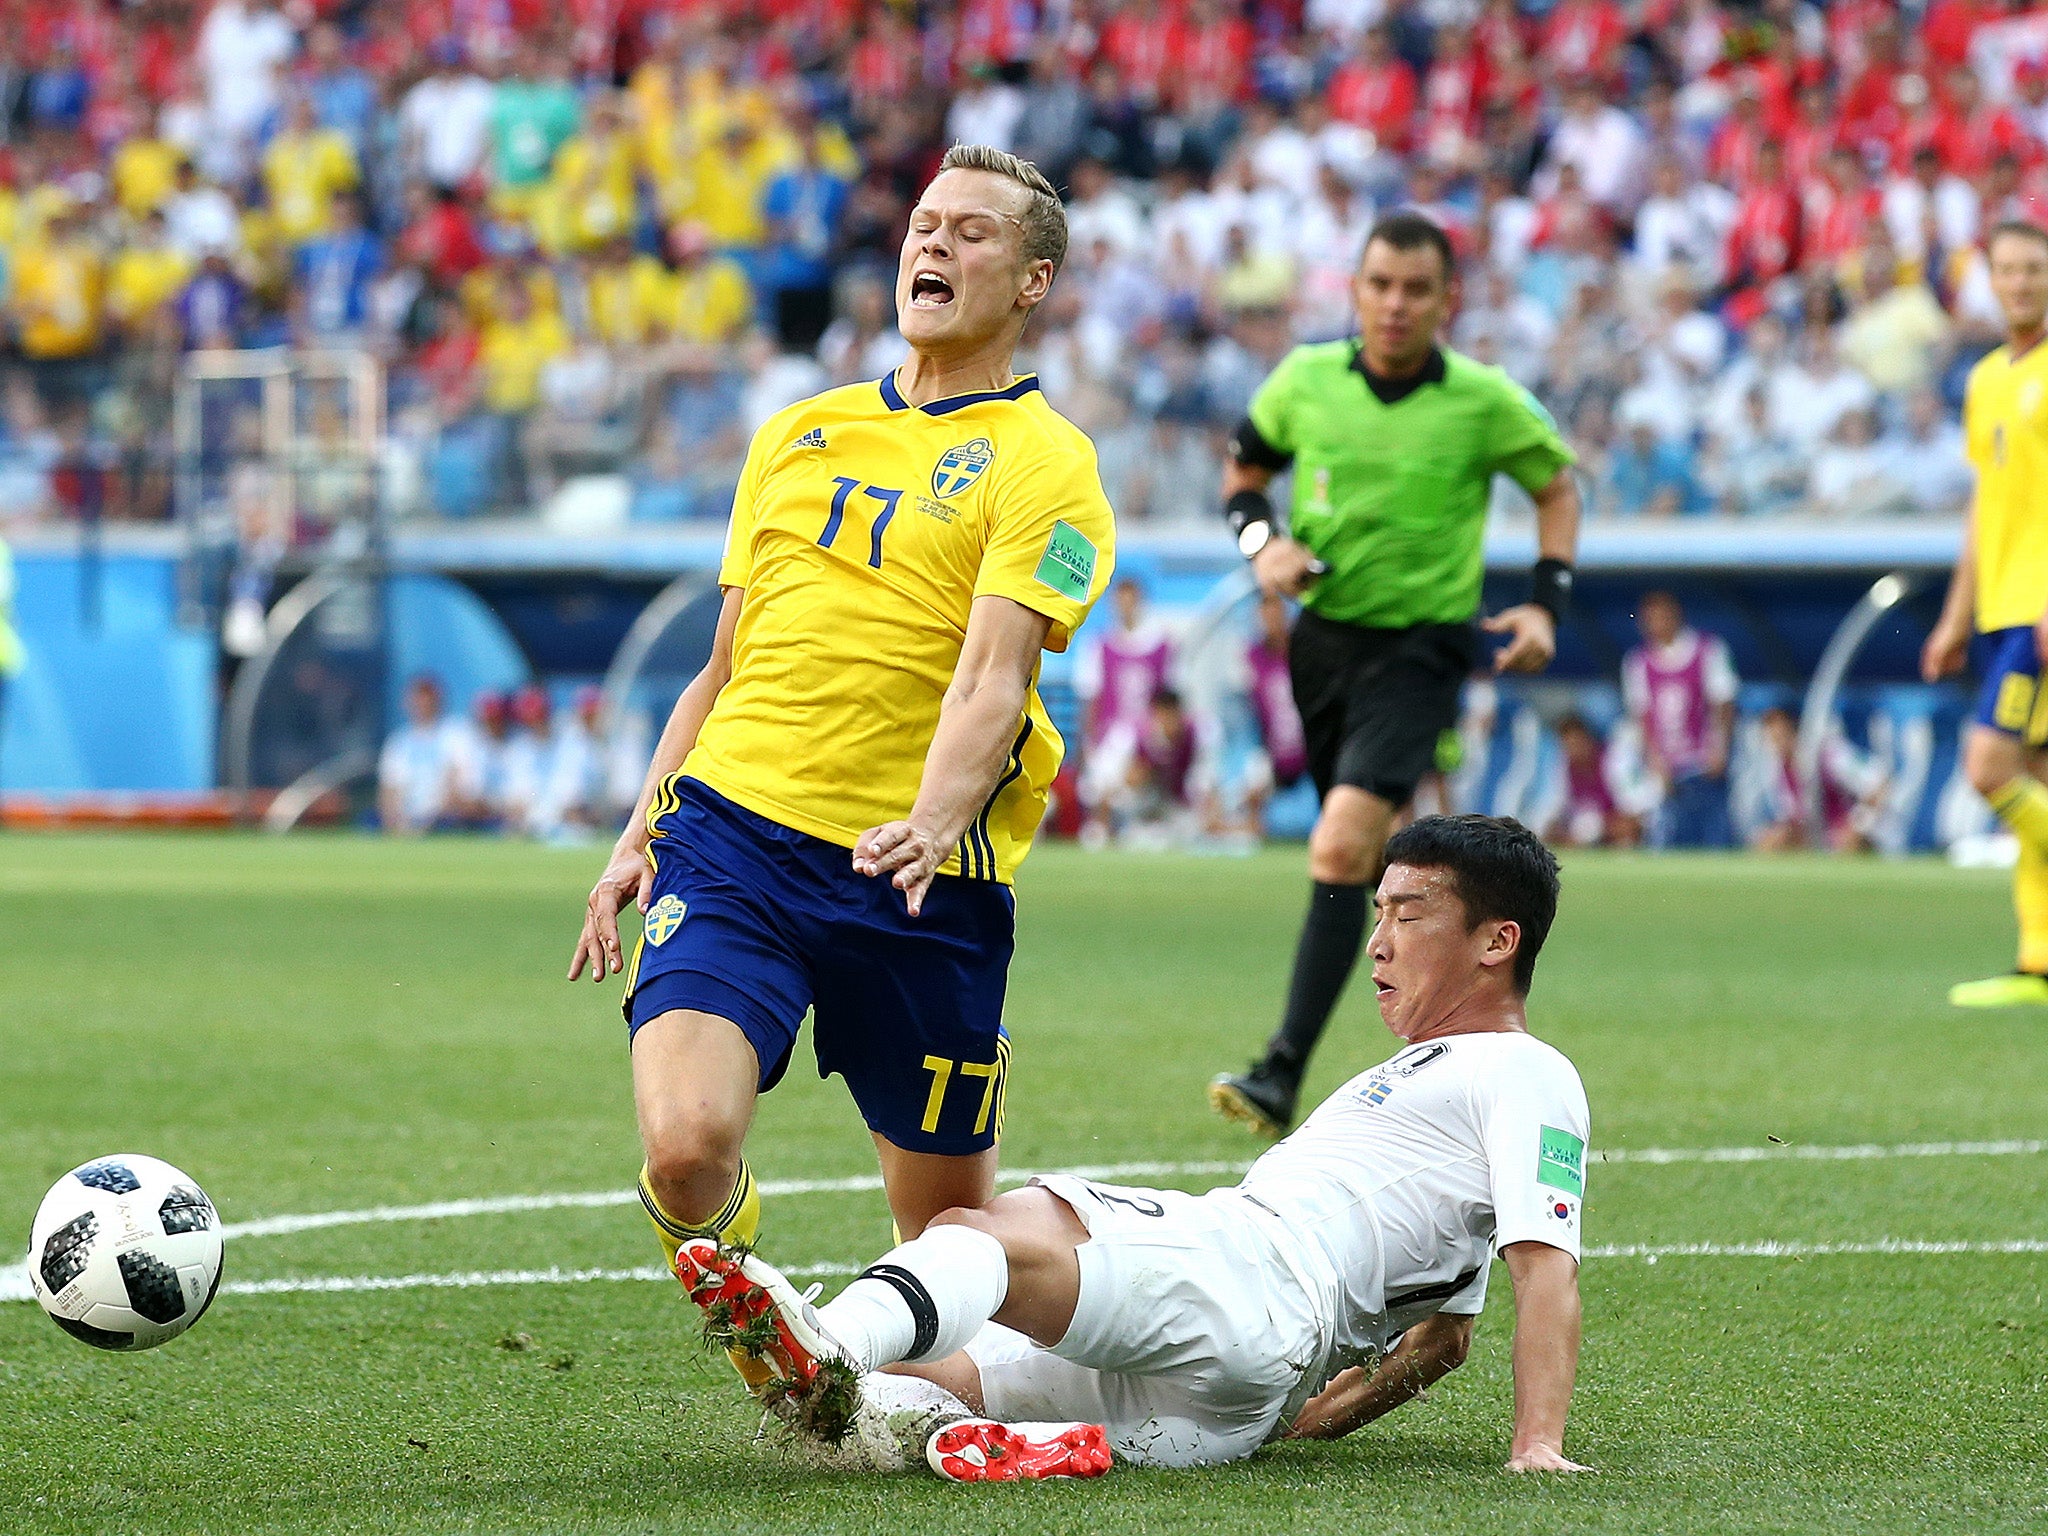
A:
(331, 1025)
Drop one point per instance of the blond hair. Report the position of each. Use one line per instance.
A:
(1045, 217)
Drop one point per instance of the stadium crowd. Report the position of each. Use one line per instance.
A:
(1734, 247)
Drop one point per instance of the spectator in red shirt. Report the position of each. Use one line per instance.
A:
(1377, 91)
(1140, 41)
(1948, 29)
(1811, 135)
(1732, 153)
(1763, 246)
(1971, 132)
(440, 235)
(1584, 37)
(1842, 210)
(1212, 56)
(1451, 94)
(1869, 91)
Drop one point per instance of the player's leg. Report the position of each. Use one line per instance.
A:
(695, 1082)
(1373, 734)
(922, 1184)
(2002, 760)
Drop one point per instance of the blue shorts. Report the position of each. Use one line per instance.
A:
(2010, 699)
(753, 922)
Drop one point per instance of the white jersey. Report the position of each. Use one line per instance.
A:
(1399, 1189)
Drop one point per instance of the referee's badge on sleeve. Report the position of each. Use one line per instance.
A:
(1068, 564)
(664, 918)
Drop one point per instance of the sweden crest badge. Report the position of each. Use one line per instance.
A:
(960, 467)
(664, 918)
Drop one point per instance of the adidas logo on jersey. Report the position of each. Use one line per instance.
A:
(815, 438)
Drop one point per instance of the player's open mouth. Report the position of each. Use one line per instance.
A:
(1383, 987)
(928, 290)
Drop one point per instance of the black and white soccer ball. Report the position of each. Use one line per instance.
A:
(125, 1252)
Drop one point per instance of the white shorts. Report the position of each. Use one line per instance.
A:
(1194, 1341)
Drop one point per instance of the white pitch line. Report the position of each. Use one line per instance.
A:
(1863, 1152)
(462, 1280)
(492, 1205)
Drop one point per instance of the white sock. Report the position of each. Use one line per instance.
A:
(921, 1301)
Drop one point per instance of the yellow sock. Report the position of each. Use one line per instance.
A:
(2022, 804)
(738, 1221)
(2030, 899)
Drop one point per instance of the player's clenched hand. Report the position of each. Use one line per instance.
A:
(629, 877)
(1532, 638)
(1284, 568)
(1543, 1458)
(905, 852)
(1946, 649)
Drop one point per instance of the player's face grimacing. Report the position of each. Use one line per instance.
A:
(1403, 298)
(963, 278)
(1426, 959)
(2019, 281)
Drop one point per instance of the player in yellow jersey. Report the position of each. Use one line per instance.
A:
(842, 797)
(1999, 594)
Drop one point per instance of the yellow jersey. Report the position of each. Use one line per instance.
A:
(144, 277)
(862, 532)
(710, 301)
(59, 299)
(511, 355)
(302, 172)
(2005, 424)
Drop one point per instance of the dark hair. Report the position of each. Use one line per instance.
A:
(2024, 229)
(1501, 870)
(1411, 231)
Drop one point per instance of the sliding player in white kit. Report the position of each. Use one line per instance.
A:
(1342, 1276)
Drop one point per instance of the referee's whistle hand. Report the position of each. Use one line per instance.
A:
(1532, 638)
(1284, 568)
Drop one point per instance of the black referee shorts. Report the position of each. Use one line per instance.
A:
(1374, 701)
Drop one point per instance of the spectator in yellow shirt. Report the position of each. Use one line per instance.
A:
(305, 166)
(145, 174)
(146, 274)
(628, 294)
(516, 345)
(589, 196)
(59, 297)
(709, 299)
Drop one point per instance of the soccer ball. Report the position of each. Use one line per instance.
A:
(125, 1252)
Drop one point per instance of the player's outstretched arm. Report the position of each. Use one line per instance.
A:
(628, 876)
(1530, 627)
(1427, 1353)
(977, 724)
(1546, 1354)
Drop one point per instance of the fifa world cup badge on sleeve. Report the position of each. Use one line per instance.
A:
(664, 918)
(1561, 1161)
(1068, 564)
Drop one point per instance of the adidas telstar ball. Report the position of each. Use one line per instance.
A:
(125, 1252)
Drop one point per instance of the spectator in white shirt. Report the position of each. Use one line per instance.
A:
(1100, 208)
(985, 111)
(1930, 211)
(242, 49)
(428, 770)
(1850, 476)
(1603, 142)
(1925, 460)
(1683, 224)
(1809, 398)
(447, 118)
(199, 218)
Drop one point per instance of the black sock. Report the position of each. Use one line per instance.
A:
(1331, 938)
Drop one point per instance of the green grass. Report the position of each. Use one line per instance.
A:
(331, 1024)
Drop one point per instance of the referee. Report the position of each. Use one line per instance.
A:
(1394, 442)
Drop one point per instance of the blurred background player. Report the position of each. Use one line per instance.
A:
(1679, 687)
(1850, 787)
(1585, 808)
(1119, 676)
(1394, 441)
(836, 810)
(1999, 593)
(427, 772)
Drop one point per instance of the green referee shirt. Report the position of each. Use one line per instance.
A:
(1392, 496)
